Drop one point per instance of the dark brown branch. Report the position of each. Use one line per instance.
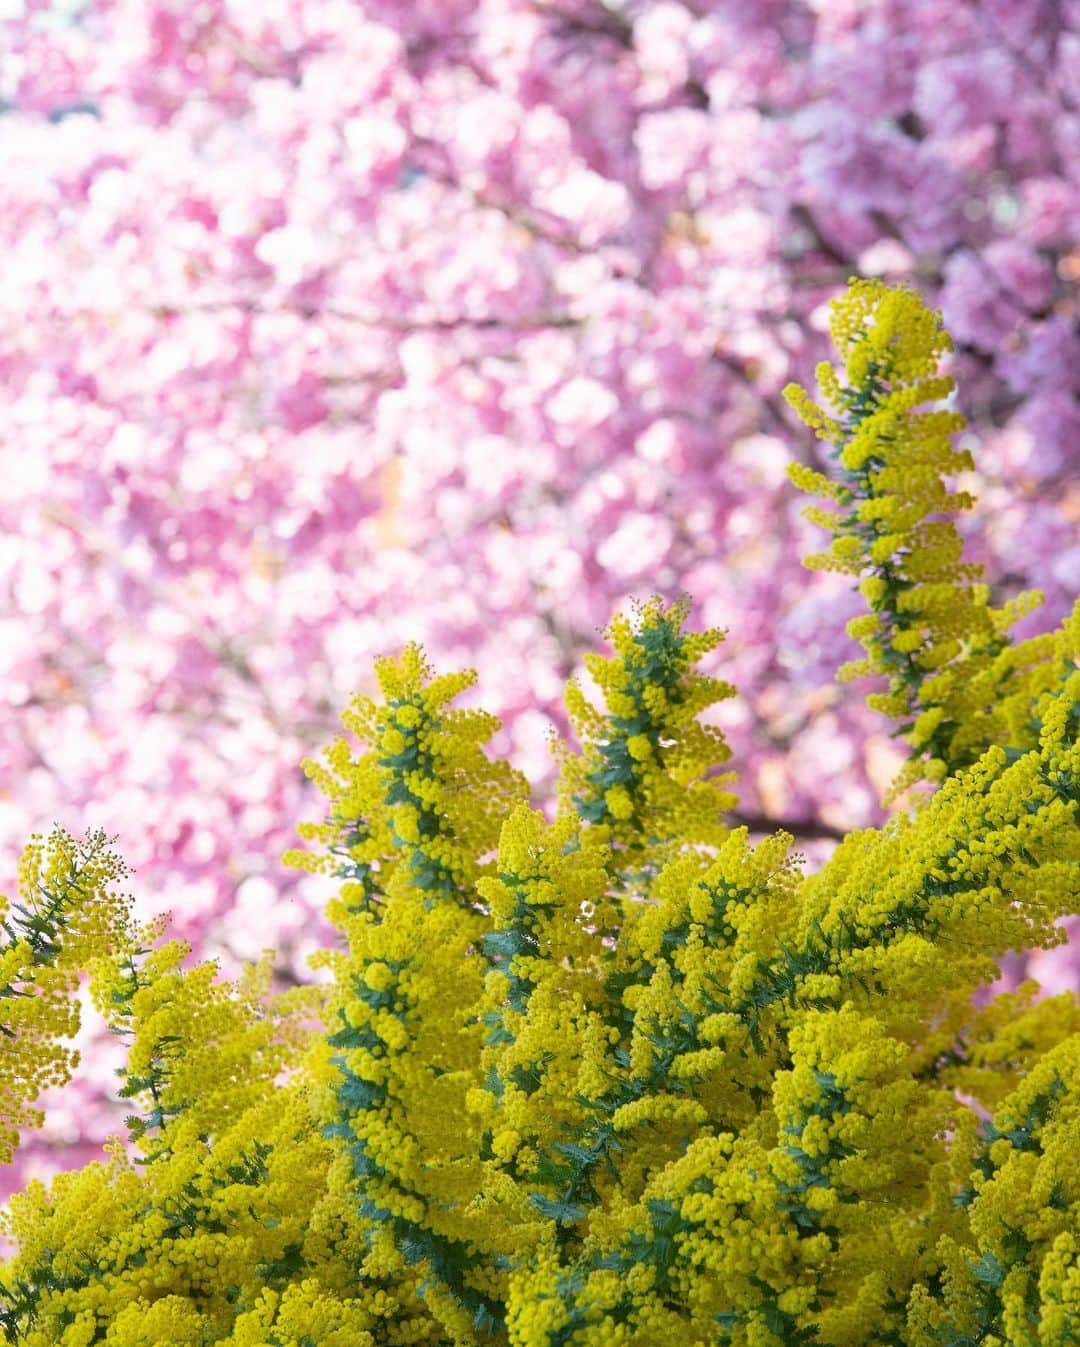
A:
(607, 23)
(307, 312)
(808, 830)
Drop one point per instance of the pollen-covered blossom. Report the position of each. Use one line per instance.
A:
(68, 913)
(643, 772)
(953, 674)
(615, 1076)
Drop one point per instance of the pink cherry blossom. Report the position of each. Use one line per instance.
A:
(329, 325)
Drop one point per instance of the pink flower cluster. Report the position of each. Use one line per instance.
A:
(331, 324)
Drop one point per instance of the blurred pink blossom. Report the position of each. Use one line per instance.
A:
(332, 325)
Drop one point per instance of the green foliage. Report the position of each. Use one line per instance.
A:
(616, 1078)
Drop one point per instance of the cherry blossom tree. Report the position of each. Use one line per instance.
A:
(332, 324)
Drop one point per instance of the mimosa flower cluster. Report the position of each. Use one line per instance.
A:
(618, 1077)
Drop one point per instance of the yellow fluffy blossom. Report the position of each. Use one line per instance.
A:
(67, 915)
(954, 678)
(620, 1077)
(641, 772)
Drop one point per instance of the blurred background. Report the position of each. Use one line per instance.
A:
(331, 324)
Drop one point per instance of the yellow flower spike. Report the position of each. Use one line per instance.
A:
(640, 774)
(619, 1079)
(892, 463)
(68, 916)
